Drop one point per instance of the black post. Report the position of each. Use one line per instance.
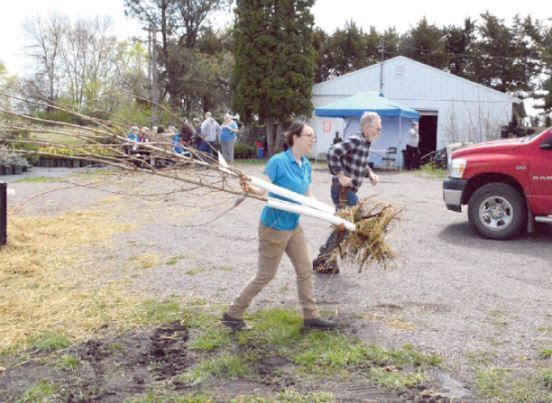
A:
(3, 213)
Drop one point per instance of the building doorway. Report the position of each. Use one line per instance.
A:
(428, 134)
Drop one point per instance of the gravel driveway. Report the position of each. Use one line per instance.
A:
(450, 292)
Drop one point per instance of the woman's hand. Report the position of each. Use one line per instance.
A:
(244, 183)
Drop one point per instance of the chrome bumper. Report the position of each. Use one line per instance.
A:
(452, 193)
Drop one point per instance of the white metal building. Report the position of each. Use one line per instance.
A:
(452, 108)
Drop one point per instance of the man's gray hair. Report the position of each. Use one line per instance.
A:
(369, 119)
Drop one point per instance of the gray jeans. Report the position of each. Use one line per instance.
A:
(227, 150)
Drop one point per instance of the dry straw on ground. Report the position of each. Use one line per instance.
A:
(44, 288)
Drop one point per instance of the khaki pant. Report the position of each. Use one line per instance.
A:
(272, 245)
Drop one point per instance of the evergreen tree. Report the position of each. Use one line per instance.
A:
(459, 47)
(274, 71)
(546, 93)
(425, 43)
(391, 43)
(505, 60)
(322, 60)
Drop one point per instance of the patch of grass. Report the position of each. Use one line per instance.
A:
(545, 353)
(153, 312)
(275, 328)
(50, 341)
(229, 366)
(500, 384)
(324, 352)
(395, 379)
(68, 362)
(284, 289)
(210, 340)
(480, 358)
(405, 356)
(497, 319)
(158, 397)
(39, 392)
(430, 171)
(289, 396)
(98, 172)
(197, 270)
(39, 179)
(545, 378)
(254, 162)
(146, 260)
(281, 332)
(174, 260)
(398, 323)
(70, 138)
(545, 329)
(196, 319)
(226, 268)
(491, 382)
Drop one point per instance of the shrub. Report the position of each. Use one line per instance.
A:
(8, 158)
(243, 151)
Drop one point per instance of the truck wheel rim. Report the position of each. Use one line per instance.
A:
(496, 213)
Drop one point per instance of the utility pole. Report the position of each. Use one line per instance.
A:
(152, 74)
(382, 50)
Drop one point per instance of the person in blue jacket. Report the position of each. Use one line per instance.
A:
(279, 232)
(228, 136)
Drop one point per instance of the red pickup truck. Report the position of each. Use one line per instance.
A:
(507, 184)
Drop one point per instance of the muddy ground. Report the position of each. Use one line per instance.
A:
(450, 292)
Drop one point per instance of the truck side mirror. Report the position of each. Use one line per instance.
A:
(546, 144)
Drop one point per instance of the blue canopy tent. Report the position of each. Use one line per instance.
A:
(396, 122)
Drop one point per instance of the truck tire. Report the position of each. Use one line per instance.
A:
(497, 211)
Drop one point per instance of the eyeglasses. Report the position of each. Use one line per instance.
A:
(310, 136)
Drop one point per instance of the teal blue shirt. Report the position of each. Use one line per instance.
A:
(284, 171)
(227, 134)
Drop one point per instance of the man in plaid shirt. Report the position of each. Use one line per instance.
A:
(348, 163)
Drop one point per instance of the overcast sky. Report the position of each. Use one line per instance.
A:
(329, 14)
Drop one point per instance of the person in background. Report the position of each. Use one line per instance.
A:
(228, 137)
(348, 163)
(196, 139)
(172, 129)
(412, 150)
(187, 133)
(210, 131)
(279, 232)
(133, 138)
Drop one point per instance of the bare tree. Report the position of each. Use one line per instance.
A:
(46, 37)
(179, 22)
(88, 54)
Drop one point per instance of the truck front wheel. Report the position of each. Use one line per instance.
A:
(497, 211)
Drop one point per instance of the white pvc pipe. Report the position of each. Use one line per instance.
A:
(298, 209)
(288, 194)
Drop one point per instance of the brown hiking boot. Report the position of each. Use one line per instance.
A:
(319, 324)
(234, 324)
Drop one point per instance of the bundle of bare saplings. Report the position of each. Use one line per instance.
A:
(363, 227)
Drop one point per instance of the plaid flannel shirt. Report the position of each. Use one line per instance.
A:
(351, 158)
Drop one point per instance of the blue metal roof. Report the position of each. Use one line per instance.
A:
(361, 102)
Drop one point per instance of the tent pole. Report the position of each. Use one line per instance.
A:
(400, 141)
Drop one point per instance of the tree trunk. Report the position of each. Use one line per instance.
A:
(271, 134)
(279, 141)
(274, 136)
